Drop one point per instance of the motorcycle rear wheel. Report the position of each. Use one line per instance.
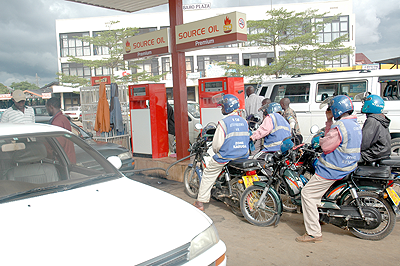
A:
(191, 181)
(263, 216)
(236, 192)
(372, 199)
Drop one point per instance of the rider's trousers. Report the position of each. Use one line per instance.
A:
(210, 174)
(311, 196)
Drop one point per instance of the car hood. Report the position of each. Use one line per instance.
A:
(119, 222)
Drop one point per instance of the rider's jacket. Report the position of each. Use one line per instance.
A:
(280, 131)
(236, 144)
(343, 160)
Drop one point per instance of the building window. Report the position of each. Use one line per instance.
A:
(102, 71)
(204, 61)
(70, 45)
(189, 64)
(149, 66)
(74, 69)
(167, 65)
(97, 49)
(334, 29)
(146, 30)
(339, 61)
(258, 59)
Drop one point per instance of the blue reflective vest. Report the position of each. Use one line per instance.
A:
(280, 131)
(236, 144)
(343, 160)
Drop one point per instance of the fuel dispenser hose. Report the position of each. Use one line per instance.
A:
(158, 168)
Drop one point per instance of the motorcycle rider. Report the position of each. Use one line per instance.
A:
(341, 152)
(376, 141)
(231, 141)
(274, 128)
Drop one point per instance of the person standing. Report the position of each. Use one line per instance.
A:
(376, 140)
(231, 141)
(341, 152)
(171, 129)
(18, 113)
(252, 105)
(290, 115)
(53, 106)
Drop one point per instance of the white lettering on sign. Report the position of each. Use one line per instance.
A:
(205, 42)
(144, 53)
(196, 6)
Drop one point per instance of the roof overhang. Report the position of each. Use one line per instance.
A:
(123, 5)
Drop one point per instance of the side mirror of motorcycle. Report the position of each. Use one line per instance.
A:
(198, 126)
(314, 129)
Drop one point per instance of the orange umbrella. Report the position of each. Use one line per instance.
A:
(103, 112)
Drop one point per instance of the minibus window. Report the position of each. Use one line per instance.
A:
(350, 89)
(297, 93)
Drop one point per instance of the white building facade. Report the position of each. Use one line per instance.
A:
(199, 62)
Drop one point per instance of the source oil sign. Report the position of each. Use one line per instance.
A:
(149, 44)
(215, 31)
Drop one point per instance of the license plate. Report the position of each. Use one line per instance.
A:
(249, 179)
(393, 196)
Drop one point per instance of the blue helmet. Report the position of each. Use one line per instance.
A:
(274, 108)
(340, 104)
(373, 104)
(229, 103)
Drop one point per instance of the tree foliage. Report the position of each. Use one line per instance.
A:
(3, 89)
(293, 38)
(23, 85)
(112, 41)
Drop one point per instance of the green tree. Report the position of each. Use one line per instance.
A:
(23, 85)
(295, 37)
(113, 41)
(3, 89)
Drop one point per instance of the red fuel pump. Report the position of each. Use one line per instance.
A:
(148, 110)
(208, 87)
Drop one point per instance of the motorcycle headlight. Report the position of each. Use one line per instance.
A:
(203, 241)
(125, 155)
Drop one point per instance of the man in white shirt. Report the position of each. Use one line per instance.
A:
(18, 113)
(252, 105)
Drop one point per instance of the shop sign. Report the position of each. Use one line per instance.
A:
(215, 31)
(154, 43)
(46, 95)
(96, 80)
(198, 6)
(5, 96)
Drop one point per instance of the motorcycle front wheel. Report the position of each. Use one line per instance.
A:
(191, 181)
(265, 214)
(372, 199)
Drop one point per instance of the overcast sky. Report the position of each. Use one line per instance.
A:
(28, 35)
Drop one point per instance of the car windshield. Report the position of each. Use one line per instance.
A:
(194, 109)
(75, 108)
(36, 164)
(40, 110)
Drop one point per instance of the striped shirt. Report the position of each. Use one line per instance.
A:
(13, 115)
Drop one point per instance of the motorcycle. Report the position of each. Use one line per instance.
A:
(234, 178)
(363, 202)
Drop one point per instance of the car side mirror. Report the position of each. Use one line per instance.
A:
(90, 134)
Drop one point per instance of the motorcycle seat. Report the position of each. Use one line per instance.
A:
(393, 161)
(244, 163)
(367, 171)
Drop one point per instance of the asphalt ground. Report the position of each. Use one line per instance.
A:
(251, 245)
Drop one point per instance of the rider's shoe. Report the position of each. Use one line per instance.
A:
(199, 205)
(308, 238)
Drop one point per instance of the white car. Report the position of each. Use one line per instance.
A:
(63, 203)
(74, 112)
(193, 119)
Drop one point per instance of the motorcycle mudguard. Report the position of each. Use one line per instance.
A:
(198, 172)
(274, 194)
